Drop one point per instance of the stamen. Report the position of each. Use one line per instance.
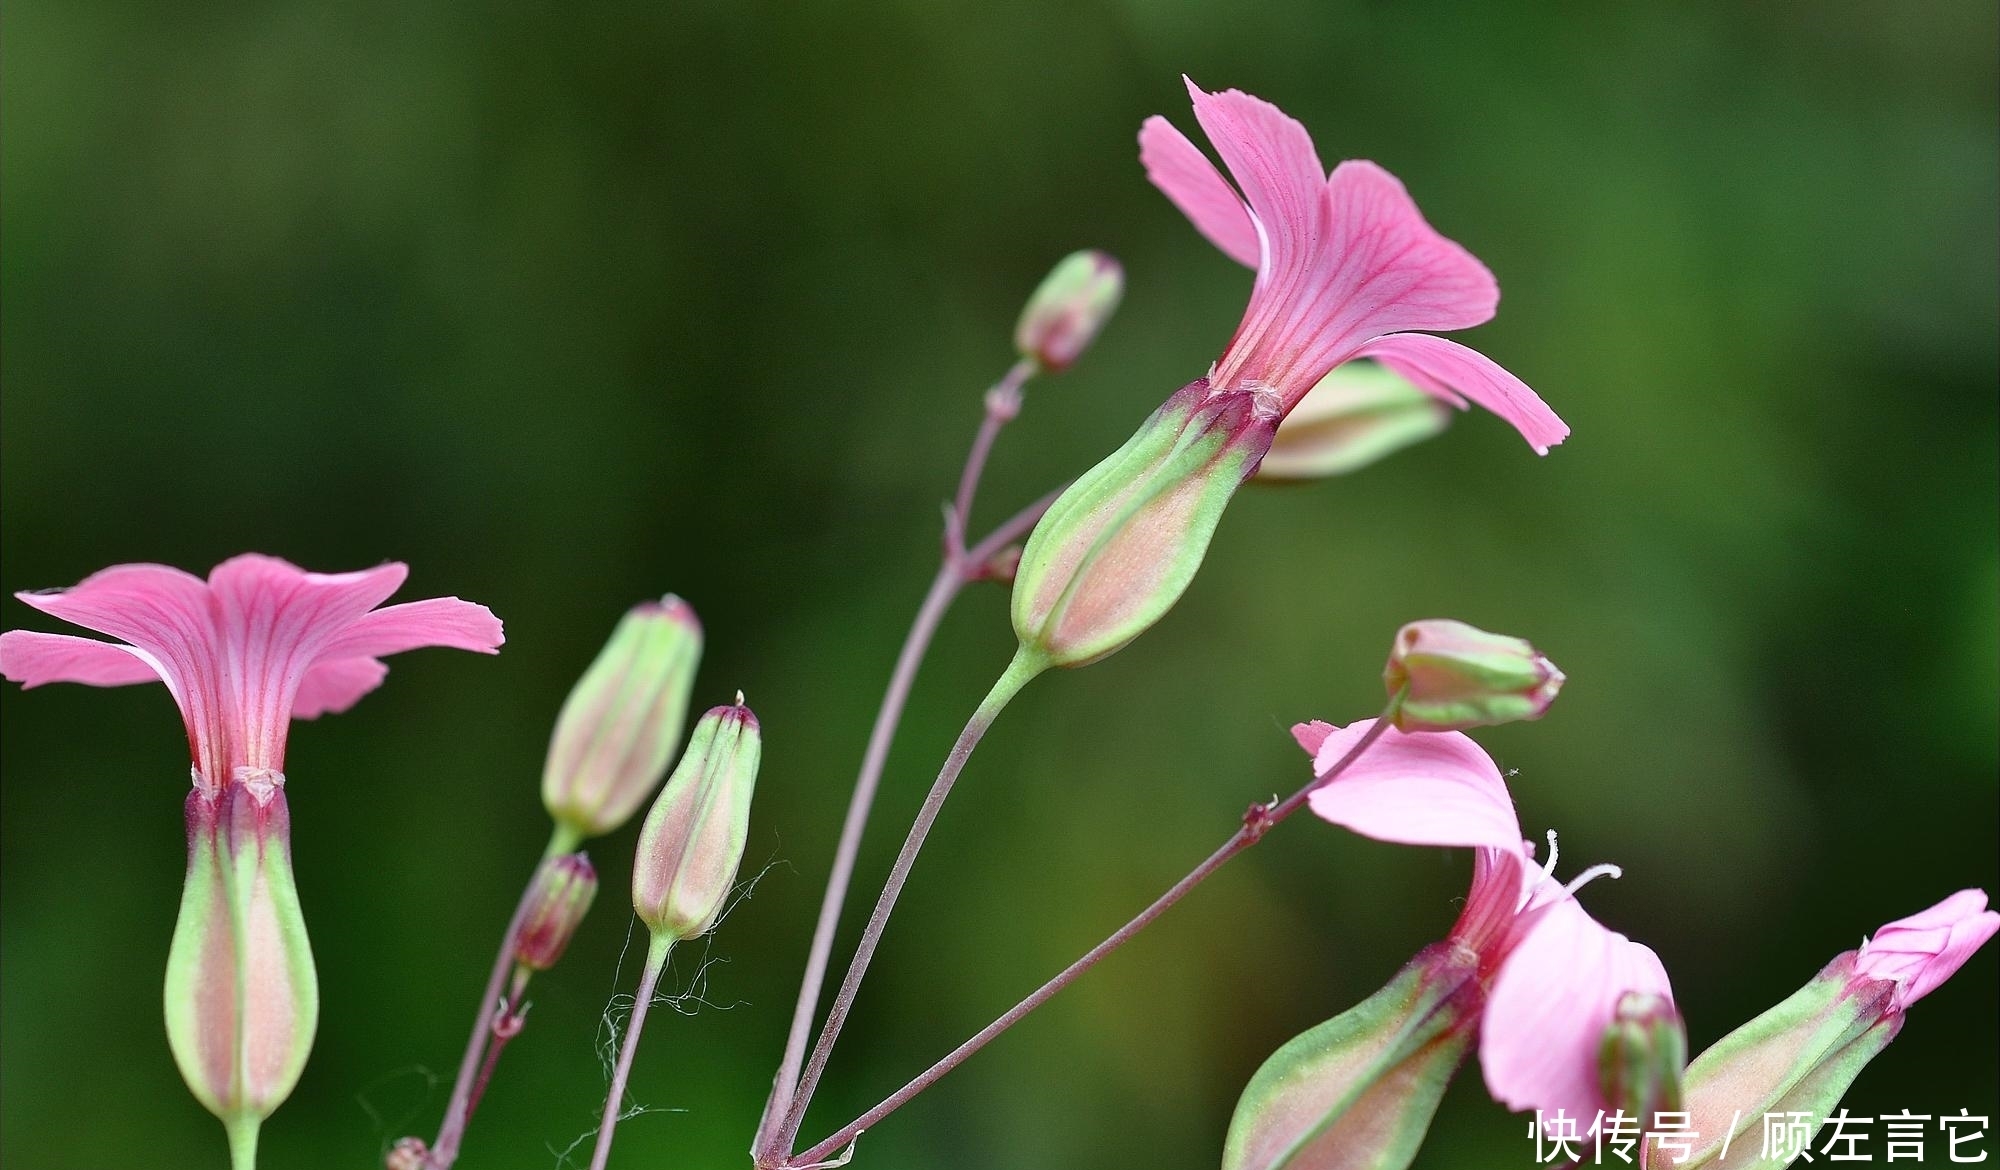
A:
(1602, 869)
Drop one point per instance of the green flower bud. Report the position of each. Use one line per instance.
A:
(693, 838)
(1798, 1057)
(557, 901)
(242, 997)
(1453, 676)
(1117, 549)
(1067, 309)
(1359, 1091)
(1357, 414)
(1642, 1056)
(619, 727)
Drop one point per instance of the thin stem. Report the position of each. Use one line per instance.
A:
(507, 1024)
(1003, 403)
(1023, 668)
(960, 567)
(1256, 823)
(944, 588)
(243, 1140)
(458, 1111)
(649, 981)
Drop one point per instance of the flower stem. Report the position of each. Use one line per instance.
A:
(458, 1111)
(243, 1140)
(1256, 823)
(649, 981)
(1023, 668)
(960, 567)
(1003, 403)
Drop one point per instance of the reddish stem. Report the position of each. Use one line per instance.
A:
(1256, 822)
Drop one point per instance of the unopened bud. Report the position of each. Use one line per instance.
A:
(693, 838)
(242, 997)
(408, 1153)
(1357, 414)
(1067, 309)
(556, 904)
(619, 727)
(1642, 1056)
(1002, 566)
(1801, 1056)
(1453, 676)
(1360, 1089)
(1119, 546)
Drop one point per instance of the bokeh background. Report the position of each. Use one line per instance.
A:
(569, 307)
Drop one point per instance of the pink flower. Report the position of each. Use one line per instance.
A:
(259, 643)
(1554, 975)
(1346, 266)
(1920, 952)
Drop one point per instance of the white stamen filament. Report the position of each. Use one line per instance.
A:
(1602, 869)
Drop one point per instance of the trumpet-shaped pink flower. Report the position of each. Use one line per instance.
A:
(1346, 266)
(259, 643)
(1554, 975)
(1920, 952)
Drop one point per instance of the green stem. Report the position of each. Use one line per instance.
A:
(649, 981)
(242, 1130)
(1024, 667)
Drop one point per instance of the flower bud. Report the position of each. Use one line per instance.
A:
(242, 998)
(556, 904)
(1453, 676)
(619, 727)
(1801, 1056)
(1357, 414)
(693, 838)
(1118, 547)
(1642, 1056)
(1067, 309)
(1360, 1089)
(1798, 1057)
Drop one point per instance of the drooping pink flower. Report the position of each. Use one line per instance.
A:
(1554, 975)
(259, 643)
(1346, 266)
(1920, 952)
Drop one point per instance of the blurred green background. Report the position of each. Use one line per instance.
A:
(570, 307)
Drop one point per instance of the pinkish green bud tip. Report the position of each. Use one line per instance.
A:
(692, 841)
(1453, 676)
(1068, 308)
(561, 896)
(619, 727)
(1641, 1060)
(1119, 546)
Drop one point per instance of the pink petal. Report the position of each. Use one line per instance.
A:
(1184, 174)
(1416, 788)
(169, 619)
(1272, 159)
(1922, 951)
(1448, 369)
(1396, 270)
(436, 621)
(32, 659)
(1548, 1008)
(275, 620)
(1311, 735)
(332, 685)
